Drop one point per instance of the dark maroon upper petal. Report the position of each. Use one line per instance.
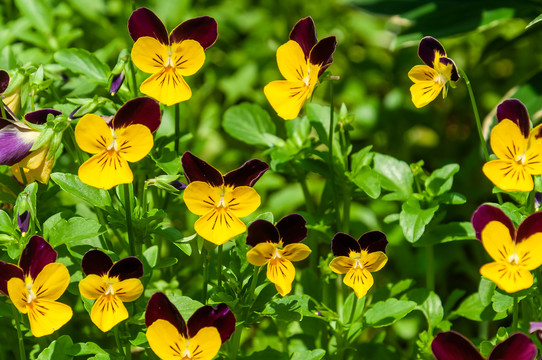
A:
(4, 81)
(144, 22)
(342, 244)
(96, 262)
(292, 229)
(14, 146)
(450, 345)
(487, 213)
(322, 53)
(127, 268)
(23, 220)
(196, 169)
(517, 347)
(7, 271)
(514, 110)
(247, 174)
(36, 254)
(141, 110)
(373, 241)
(531, 225)
(304, 33)
(159, 307)
(40, 116)
(447, 61)
(427, 48)
(219, 317)
(203, 29)
(260, 231)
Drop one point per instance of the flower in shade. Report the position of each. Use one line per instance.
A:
(358, 259)
(111, 284)
(35, 285)
(301, 61)
(23, 220)
(518, 149)
(450, 345)
(277, 246)
(434, 76)
(220, 200)
(515, 252)
(170, 337)
(125, 138)
(169, 57)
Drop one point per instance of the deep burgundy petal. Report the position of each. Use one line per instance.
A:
(203, 29)
(144, 22)
(127, 268)
(373, 241)
(292, 229)
(96, 262)
(342, 244)
(141, 110)
(514, 110)
(322, 53)
(16, 144)
(196, 169)
(517, 347)
(4, 81)
(427, 49)
(40, 116)
(450, 345)
(159, 307)
(260, 231)
(23, 220)
(304, 33)
(36, 255)
(247, 174)
(7, 271)
(219, 317)
(531, 225)
(487, 213)
(447, 61)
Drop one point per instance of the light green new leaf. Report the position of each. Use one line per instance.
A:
(413, 218)
(82, 62)
(71, 184)
(387, 312)
(39, 13)
(59, 349)
(59, 231)
(309, 355)
(284, 309)
(395, 176)
(441, 180)
(251, 124)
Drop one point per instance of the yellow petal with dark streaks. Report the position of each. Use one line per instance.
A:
(260, 254)
(497, 241)
(360, 280)
(188, 57)
(105, 170)
(296, 252)
(510, 278)
(424, 92)
(219, 226)
(93, 286)
(128, 290)
(200, 197)
(167, 86)
(529, 251)
(342, 264)
(51, 282)
(291, 61)
(287, 97)
(374, 261)
(18, 293)
(242, 200)
(107, 312)
(508, 175)
(507, 141)
(149, 54)
(134, 142)
(92, 134)
(281, 272)
(205, 344)
(165, 340)
(46, 316)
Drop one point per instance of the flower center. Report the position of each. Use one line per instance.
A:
(169, 65)
(221, 203)
(113, 145)
(440, 79)
(186, 354)
(110, 290)
(513, 259)
(358, 264)
(31, 295)
(521, 159)
(306, 79)
(276, 255)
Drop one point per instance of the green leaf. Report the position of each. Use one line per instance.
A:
(59, 231)
(177, 238)
(283, 309)
(71, 184)
(395, 175)
(443, 233)
(413, 218)
(6, 225)
(186, 305)
(82, 62)
(251, 124)
(309, 355)
(268, 216)
(428, 303)
(88, 348)
(367, 180)
(151, 255)
(502, 301)
(441, 180)
(535, 21)
(38, 13)
(168, 161)
(473, 309)
(59, 349)
(387, 312)
(486, 290)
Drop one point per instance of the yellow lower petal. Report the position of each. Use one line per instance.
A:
(508, 175)
(105, 170)
(508, 277)
(92, 134)
(424, 92)
(296, 252)
(165, 340)
(46, 316)
(281, 272)
(200, 197)
(128, 290)
(40, 173)
(242, 200)
(92, 287)
(287, 97)
(260, 254)
(107, 312)
(218, 226)
(51, 282)
(360, 280)
(342, 264)
(205, 345)
(134, 142)
(167, 86)
(422, 73)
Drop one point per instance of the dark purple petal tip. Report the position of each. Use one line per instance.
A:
(96, 262)
(36, 254)
(342, 244)
(141, 110)
(292, 229)
(116, 83)
(530, 226)
(451, 345)
(260, 231)
(514, 110)
(127, 268)
(247, 174)
(517, 347)
(159, 307)
(23, 220)
(220, 317)
(8, 271)
(373, 241)
(4, 81)
(322, 53)
(196, 169)
(454, 76)
(427, 49)
(304, 33)
(143, 22)
(487, 213)
(40, 116)
(178, 185)
(203, 29)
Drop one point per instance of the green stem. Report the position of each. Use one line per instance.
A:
(134, 81)
(23, 176)
(340, 297)
(353, 313)
(235, 342)
(129, 225)
(515, 318)
(253, 283)
(22, 354)
(219, 269)
(127, 345)
(177, 127)
(205, 275)
(118, 342)
(330, 147)
(430, 271)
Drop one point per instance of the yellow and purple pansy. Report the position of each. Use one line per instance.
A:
(220, 200)
(170, 337)
(301, 61)
(359, 258)
(35, 285)
(519, 150)
(438, 71)
(450, 345)
(127, 137)
(277, 246)
(515, 252)
(169, 57)
(111, 284)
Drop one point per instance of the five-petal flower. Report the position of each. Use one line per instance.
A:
(169, 57)
(358, 259)
(301, 61)
(221, 200)
(111, 284)
(125, 138)
(35, 285)
(434, 76)
(277, 246)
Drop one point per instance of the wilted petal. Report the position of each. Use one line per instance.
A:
(46, 316)
(36, 255)
(430, 50)
(242, 201)
(292, 229)
(96, 262)
(287, 97)
(343, 244)
(508, 277)
(450, 345)
(142, 110)
(517, 347)
(166, 86)
(51, 282)
(261, 231)
(514, 110)
(281, 272)
(127, 268)
(487, 213)
(296, 252)
(219, 317)
(107, 312)
(304, 33)
(261, 253)
(195, 169)
(143, 22)
(166, 341)
(128, 290)
(373, 241)
(8, 271)
(247, 174)
(218, 226)
(202, 29)
(105, 170)
(360, 280)
(159, 307)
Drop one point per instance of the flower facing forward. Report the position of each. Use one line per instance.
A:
(126, 138)
(434, 76)
(170, 337)
(277, 246)
(35, 285)
(221, 200)
(519, 150)
(112, 285)
(358, 259)
(169, 57)
(450, 345)
(301, 61)
(515, 252)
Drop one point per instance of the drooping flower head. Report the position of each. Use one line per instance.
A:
(277, 246)
(169, 57)
(111, 284)
(358, 259)
(518, 149)
(434, 76)
(515, 252)
(450, 345)
(35, 285)
(125, 138)
(170, 337)
(221, 200)
(301, 61)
